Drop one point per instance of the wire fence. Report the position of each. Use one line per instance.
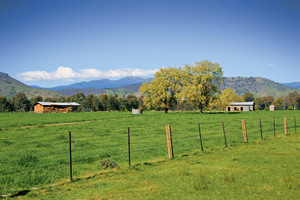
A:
(49, 158)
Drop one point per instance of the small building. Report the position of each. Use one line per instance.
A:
(137, 111)
(54, 107)
(272, 108)
(241, 106)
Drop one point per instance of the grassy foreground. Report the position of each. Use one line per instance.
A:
(267, 169)
(34, 147)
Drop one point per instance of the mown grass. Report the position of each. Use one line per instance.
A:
(34, 154)
(266, 169)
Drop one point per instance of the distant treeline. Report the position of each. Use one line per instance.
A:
(104, 102)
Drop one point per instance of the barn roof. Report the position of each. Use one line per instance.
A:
(59, 103)
(242, 104)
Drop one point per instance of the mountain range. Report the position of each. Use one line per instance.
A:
(130, 85)
(101, 84)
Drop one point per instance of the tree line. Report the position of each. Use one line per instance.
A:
(89, 103)
(193, 87)
(104, 102)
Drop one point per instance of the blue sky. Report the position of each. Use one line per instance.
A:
(58, 42)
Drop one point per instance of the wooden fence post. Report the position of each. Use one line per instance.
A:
(200, 136)
(70, 151)
(295, 124)
(169, 141)
(274, 125)
(244, 131)
(285, 126)
(224, 134)
(128, 133)
(261, 136)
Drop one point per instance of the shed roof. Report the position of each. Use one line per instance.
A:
(242, 103)
(58, 103)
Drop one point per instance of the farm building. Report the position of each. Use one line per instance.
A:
(241, 106)
(54, 107)
(272, 108)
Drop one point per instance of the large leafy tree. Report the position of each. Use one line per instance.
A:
(5, 105)
(290, 99)
(248, 96)
(278, 103)
(201, 81)
(162, 91)
(20, 102)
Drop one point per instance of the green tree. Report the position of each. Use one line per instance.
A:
(248, 97)
(20, 102)
(162, 91)
(259, 104)
(296, 101)
(5, 105)
(90, 103)
(201, 81)
(225, 98)
(264, 102)
(103, 101)
(278, 103)
(122, 104)
(131, 102)
(288, 100)
(36, 99)
(112, 103)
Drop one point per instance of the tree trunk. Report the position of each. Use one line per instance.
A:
(166, 110)
(201, 109)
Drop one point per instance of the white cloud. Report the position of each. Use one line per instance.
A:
(271, 65)
(68, 74)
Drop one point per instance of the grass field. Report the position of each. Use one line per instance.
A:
(34, 153)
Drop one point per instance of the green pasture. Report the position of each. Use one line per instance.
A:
(34, 149)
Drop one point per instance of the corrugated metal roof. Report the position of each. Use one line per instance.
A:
(59, 103)
(242, 103)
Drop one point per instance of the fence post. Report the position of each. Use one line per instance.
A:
(70, 151)
(245, 131)
(295, 124)
(169, 141)
(261, 136)
(200, 137)
(128, 133)
(224, 134)
(285, 126)
(274, 125)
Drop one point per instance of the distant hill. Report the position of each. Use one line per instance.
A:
(9, 87)
(121, 91)
(260, 87)
(101, 84)
(292, 84)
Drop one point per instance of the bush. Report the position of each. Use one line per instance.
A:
(107, 163)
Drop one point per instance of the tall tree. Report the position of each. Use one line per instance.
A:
(36, 99)
(162, 91)
(90, 103)
(131, 102)
(248, 97)
(225, 98)
(278, 103)
(201, 81)
(288, 100)
(103, 101)
(20, 102)
(112, 102)
(5, 105)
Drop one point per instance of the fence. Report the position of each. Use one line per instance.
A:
(59, 156)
